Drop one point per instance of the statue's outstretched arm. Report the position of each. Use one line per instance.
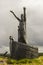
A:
(24, 14)
(15, 15)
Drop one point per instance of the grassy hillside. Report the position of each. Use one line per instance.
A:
(40, 54)
(9, 61)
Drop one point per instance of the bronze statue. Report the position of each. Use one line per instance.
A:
(21, 27)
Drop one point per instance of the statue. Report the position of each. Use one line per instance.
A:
(20, 49)
(21, 27)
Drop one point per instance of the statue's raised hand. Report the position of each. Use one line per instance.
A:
(15, 15)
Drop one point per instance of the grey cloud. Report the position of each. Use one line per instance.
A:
(8, 23)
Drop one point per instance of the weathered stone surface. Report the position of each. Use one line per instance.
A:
(20, 50)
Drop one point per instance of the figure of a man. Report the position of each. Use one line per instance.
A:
(21, 27)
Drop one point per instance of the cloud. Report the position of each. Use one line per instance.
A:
(9, 25)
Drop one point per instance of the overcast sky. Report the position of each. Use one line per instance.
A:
(9, 25)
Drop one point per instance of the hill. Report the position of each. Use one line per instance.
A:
(9, 61)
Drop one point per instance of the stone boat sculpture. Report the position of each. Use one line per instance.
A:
(20, 49)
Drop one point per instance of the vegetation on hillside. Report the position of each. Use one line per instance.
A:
(36, 61)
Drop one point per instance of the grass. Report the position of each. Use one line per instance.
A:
(36, 61)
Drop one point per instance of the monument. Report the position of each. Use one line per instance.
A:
(20, 49)
(21, 27)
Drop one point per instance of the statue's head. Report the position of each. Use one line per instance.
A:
(22, 17)
(24, 8)
(10, 37)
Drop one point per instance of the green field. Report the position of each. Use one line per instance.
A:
(9, 61)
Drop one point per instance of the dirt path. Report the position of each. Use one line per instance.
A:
(3, 63)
